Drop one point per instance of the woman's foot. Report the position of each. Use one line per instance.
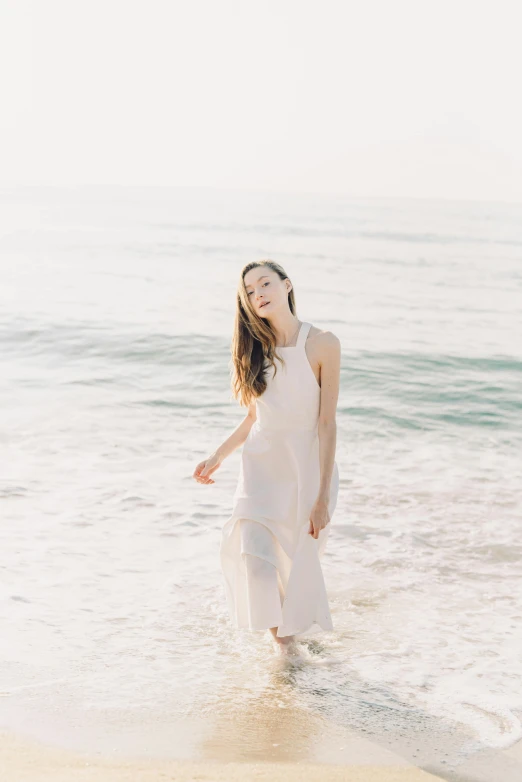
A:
(286, 644)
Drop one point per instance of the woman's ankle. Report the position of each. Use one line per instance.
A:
(283, 639)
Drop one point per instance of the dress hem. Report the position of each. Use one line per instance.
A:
(317, 625)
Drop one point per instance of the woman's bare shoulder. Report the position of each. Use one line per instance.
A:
(323, 339)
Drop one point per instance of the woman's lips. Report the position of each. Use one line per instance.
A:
(264, 305)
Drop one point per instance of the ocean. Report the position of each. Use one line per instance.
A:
(116, 315)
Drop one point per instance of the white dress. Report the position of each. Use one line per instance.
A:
(266, 537)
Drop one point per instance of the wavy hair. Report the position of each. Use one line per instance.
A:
(253, 340)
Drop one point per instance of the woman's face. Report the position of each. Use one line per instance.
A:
(266, 291)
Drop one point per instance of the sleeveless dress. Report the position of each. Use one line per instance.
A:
(278, 484)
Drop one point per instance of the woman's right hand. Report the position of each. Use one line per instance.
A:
(205, 469)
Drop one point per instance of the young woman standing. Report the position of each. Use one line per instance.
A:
(288, 483)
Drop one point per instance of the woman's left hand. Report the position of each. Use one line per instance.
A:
(319, 517)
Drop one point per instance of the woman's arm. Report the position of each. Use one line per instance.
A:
(330, 362)
(208, 466)
(330, 359)
(238, 436)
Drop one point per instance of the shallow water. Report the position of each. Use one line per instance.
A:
(116, 317)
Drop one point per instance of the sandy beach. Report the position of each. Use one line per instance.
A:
(23, 760)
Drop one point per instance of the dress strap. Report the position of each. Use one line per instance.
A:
(303, 333)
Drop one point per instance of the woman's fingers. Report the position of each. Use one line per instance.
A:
(314, 530)
(199, 475)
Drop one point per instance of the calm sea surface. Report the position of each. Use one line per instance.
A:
(116, 314)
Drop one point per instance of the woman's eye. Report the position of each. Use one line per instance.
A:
(265, 283)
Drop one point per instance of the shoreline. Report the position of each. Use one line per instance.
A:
(24, 759)
(40, 748)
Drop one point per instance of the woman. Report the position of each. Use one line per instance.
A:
(288, 480)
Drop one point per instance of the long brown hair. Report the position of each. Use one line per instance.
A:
(253, 340)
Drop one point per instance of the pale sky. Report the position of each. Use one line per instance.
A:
(413, 98)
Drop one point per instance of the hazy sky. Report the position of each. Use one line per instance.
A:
(366, 98)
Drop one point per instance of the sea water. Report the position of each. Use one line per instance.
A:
(116, 317)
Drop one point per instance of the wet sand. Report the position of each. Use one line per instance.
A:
(256, 743)
(26, 760)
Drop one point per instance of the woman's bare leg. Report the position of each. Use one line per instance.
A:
(264, 597)
(285, 639)
(264, 588)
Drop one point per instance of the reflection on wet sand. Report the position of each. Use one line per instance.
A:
(264, 725)
(269, 725)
